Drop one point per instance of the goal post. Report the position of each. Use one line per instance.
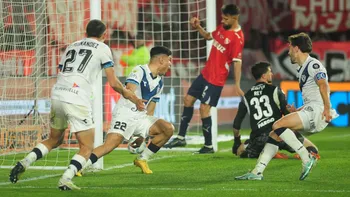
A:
(34, 35)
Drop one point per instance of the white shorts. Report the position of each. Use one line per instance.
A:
(79, 117)
(128, 125)
(311, 117)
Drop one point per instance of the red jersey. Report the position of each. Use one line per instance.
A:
(227, 47)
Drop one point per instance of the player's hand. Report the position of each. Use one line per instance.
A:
(195, 23)
(140, 104)
(239, 91)
(236, 144)
(291, 108)
(326, 115)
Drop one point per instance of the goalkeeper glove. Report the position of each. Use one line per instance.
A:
(236, 144)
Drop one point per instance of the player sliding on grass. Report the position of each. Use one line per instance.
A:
(313, 117)
(265, 104)
(147, 83)
(71, 99)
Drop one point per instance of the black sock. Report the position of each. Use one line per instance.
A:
(185, 119)
(206, 127)
(38, 153)
(152, 147)
(93, 158)
(77, 164)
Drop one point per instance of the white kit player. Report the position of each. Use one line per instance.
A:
(71, 101)
(312, 117)
(147, 83)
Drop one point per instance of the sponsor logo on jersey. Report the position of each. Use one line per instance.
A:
(227, 41)
(265, 122)
(218, 46)
(75, 85)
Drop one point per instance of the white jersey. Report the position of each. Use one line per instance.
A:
(80, 65)
(308, 74)
(149, 88)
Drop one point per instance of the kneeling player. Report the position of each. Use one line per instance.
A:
(147, 83)
(266, 104)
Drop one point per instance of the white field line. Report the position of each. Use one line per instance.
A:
(56, 175)
(190, 189)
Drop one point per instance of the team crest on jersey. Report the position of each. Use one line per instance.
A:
(227, 41)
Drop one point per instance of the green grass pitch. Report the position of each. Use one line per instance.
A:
(185, 174)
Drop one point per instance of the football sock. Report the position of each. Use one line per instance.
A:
(75, 165)
(149, 151)
(206, 127)
(266, 155)
(289, 138)
(37, 153)
(185, 119)
(93, 158)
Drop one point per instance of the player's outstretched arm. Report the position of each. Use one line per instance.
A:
(324, 89)
(118, 87)
(195, 23)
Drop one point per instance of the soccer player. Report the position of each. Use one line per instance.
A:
(313, 117)
(71, 101)
(265, 104)
(147, 83)
(225, 51)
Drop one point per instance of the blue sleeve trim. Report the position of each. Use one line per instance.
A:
(156, 100)
(132, 81)
(107, 64)
(320, 75)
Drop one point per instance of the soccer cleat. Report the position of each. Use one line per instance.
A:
(64, 184)
(143, 165)
(16, 172)
(308, 167)
(249, 176)
(318, 156)
(79, 173)
(176, 142)
(281, 156)
(205, 150)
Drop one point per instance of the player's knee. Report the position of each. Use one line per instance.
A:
(188, 101)
(204, 110)
(168, 129)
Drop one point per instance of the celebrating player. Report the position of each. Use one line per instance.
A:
(313, 117)
(266, 104)
(71, 99)
(225, 51)
(147, 83)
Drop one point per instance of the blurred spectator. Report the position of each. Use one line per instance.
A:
(138, 56)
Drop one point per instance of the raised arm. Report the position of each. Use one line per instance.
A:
(195, 23)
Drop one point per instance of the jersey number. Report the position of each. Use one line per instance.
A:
(267, 112)
(71, 55)
(120, 125)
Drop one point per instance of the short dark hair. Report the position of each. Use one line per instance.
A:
(259, 69)
(301, 40)
(95, 28)
(230, 9)
(160, 50)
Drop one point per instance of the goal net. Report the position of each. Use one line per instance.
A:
(35, 33)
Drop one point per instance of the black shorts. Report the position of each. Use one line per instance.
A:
(204, 91)
(257, 144)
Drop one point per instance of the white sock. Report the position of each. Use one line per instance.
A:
(180, 137)
(146, 154)
(72, 169)
(288, 136)
(88, 163)
(265, 157)
(32, 156)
